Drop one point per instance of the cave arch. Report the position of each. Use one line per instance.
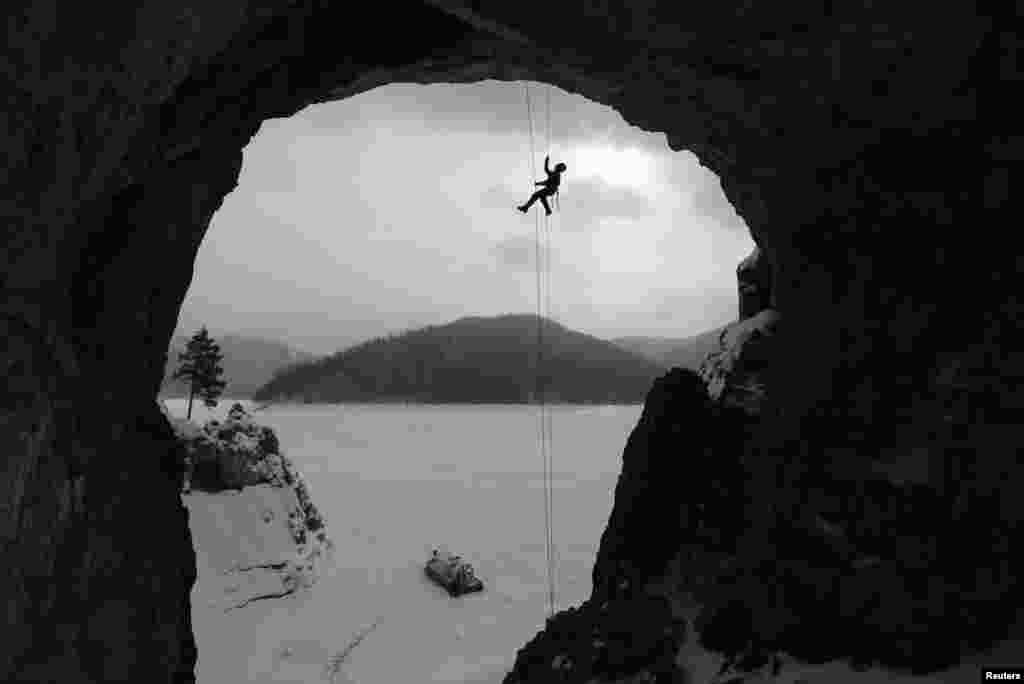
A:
(832, 128)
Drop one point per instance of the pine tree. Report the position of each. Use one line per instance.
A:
(201, 369)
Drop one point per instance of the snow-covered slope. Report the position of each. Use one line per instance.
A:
(266, 539)
(260, 550)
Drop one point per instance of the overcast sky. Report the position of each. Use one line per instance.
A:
(396, 209)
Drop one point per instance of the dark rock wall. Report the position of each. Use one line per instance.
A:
(754, 280)
(672, 462)
(870, 152)
(96, 532)
(874, 564)
(123, 132)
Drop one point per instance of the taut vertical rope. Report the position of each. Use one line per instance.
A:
(552, 571)
(548, 547)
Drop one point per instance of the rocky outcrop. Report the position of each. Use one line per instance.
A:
(734, 371)
(681, 481)
(239, 453)
(236, 454)
(232, 454)
(874, 567)
(684, 450)
(871, 154)
(755, 279)
(602, 641)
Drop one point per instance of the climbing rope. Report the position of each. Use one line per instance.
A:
(553, 572)
(544, 422)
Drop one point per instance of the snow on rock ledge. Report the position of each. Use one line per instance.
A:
(231, 454)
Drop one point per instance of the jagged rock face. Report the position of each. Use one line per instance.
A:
(684, 451)
(754, 280)
(868, 151)
(230, 455)
(871, 568)
(239, 453)
(601, 641)
(735, 370)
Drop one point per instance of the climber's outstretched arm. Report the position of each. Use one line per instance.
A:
(547, 166)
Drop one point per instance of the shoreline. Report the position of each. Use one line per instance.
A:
(390, 402)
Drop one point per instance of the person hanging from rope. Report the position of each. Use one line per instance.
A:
(549, 187)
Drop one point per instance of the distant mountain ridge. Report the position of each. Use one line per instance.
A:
(249, 363)
(686, 352)
(472, 360)
(653, 348)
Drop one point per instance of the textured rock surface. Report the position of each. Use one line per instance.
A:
(232, 454)
(684, 451)
(734, 370)
(870, 152)
(238, 453)
(603, 641)
(873, 568)
(754, 278)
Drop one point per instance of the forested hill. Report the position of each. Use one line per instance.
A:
(249, 362)
(473, 360)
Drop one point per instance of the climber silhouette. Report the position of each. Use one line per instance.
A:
(550, 187)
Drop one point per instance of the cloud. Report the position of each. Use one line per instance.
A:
(598, 200)
(697, 309)
(519, 253)
(710, 202)
(501, 197)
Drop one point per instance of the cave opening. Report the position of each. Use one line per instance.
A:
(413, 181)
(394, 211)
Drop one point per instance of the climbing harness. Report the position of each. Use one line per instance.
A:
(543, 269)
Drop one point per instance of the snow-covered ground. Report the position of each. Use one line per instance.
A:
(257, 559)
(394, 482)
(232, 533)
(423, 635)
